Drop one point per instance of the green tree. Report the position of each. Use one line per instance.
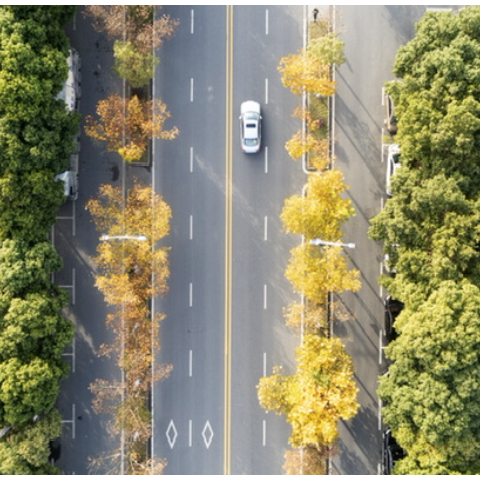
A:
(431, 393)
(43, 24)
(25, 269)
(430, 230)
(437, 100)
(28, 389)
(35, 130)
(135, 66)
(327, 49)
(33, 327)
(50, 17)
(36, 140)
(26, 451)
(28, 204)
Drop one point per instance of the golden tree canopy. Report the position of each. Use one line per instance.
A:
(300, 144)
(321, 212)
(127, 266)
(304, 71)
(306, 461)
(315, 271)
(127, 124)
(320, 392)
(138, 24)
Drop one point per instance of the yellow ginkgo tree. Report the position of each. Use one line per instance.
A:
(311, 69)
(306, 143)
(128, 124)
(132, 269)
(321, 211)
(305, 72)
(127, 266)
(315, 271)
(321, 392)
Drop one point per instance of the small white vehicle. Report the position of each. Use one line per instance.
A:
(393, 164)
(70, 178)
(250, 126)
(71, 91)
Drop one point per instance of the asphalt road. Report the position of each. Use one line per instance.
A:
(195, 409)
(84, 433)
(260, 249)
(190, 173)
(227, 289)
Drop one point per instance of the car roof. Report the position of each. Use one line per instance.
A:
(394, 149)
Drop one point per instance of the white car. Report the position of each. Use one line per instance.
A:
(393, 164)
(70, 184)
(72, 91)
(250, 126)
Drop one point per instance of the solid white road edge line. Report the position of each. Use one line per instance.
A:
(379, 414)
(380, 346)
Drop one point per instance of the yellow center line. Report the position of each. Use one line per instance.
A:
(228, 240)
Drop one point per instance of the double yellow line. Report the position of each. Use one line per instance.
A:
(228, 241)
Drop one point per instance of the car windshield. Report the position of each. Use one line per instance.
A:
(251, 142)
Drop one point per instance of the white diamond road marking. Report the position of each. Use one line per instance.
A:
(171, 434)
(207, 434)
